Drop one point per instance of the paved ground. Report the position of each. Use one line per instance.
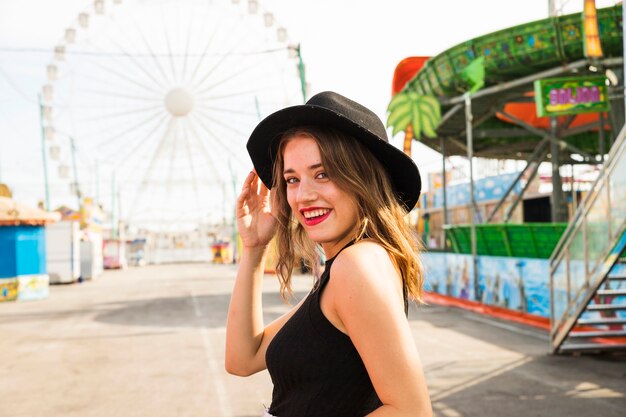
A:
(150, 342)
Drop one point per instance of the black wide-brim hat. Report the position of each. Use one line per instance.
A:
(329, 109)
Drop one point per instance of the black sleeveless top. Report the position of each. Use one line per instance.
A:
(315, 368)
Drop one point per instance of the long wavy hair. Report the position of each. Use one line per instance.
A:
(381, 218)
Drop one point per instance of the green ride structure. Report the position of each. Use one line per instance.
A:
(487, 89)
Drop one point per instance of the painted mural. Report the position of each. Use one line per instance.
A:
(33, 287)
(521, 284)
(485, 189)
(8, 289)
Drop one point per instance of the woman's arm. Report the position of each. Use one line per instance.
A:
(366, 296)
(246, 337)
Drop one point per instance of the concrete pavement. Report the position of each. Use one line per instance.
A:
(150, 342)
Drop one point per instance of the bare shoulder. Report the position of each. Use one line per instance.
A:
(366, 254)
(365, 271)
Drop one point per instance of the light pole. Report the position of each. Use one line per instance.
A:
(76, 186)
(298, 52)
(234, 237)
(43, 154)
(113, 215)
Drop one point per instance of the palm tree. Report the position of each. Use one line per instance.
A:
(414, 114)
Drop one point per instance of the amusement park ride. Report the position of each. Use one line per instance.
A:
(157, 99)
(549, 91)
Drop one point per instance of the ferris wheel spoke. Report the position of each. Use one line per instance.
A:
(261, 80)
(201, 60)
(186, 55)
(137, 63)
(194, 177)
(169, 46)
(141, 143)
(174, 139)
(153, 162)
(207, 155)
(122, 113)
(117, 73)
(226, 110)
(216, 140)
(120, 95)
(223, 59)
(154, 57)
(226, 126)
(96, 131)
(192, 78)
(230, 77)
(116, 136)
(214, 97)
(264, 54)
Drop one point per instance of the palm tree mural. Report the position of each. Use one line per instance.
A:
(420, 115)
(414, 114)
(408, 111)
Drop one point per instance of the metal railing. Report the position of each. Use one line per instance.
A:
(589, 246)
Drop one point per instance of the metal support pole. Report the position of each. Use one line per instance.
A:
(601, 138)
(443, 180)
(234, 237)
(470, 157)
(541, 133)
(534, 160)
(75, 169)
(445, 190)
(302, 75)
(120, 234)
(558, 213)
(552, 8)
(518, 198)
(97, 182)
(113, 217)
(43, 154)
(573, 191)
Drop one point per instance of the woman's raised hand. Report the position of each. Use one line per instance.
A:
(254, 218)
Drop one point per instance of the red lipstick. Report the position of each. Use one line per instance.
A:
(314, 220)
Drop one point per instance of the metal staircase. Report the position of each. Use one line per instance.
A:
(588, 268)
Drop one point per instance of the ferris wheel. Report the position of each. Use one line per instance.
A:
(158, 97)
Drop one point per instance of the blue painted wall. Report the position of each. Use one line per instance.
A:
(521, 284)
(22, 251)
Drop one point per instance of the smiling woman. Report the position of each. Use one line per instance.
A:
(336, 184)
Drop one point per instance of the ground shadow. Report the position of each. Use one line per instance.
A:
(538, 385)
(200, 311)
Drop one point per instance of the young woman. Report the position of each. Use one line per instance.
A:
(336, 183)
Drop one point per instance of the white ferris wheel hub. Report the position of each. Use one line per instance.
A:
(178, 102)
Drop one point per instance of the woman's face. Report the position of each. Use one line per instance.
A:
(327, 213)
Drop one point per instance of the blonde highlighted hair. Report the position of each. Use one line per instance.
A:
(354, 169)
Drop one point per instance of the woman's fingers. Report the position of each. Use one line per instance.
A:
(254, 184)
(273, 204)
(248, 191)
(264, 190)
(247, 181)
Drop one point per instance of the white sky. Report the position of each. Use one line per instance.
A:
(349, 46)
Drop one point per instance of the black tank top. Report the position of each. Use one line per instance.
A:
(315, 368)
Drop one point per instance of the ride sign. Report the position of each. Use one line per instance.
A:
(572, 95)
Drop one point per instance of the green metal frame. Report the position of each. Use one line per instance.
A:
(518, 51)
(528, 240)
